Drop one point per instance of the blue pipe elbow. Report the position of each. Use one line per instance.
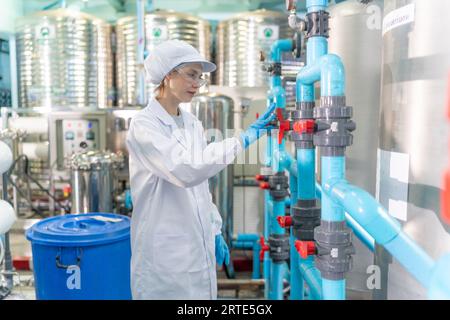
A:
(364, 209)
(280, 46)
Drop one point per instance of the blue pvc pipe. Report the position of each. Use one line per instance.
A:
(359, 231)
(332, 168)
(306, 162)
(247, 237)
(386, 231)
(256, 265)
(316, 5)
(329, 70)
(312, 277)
(333, 289)
(266, 260)
(278, 47)
(296, 280)
(276, 281)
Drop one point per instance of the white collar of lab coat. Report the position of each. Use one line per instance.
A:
(167, 119)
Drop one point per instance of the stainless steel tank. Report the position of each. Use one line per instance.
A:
(215, 111)
(159, 26)
(241, 39)
(414, 129)
(93, 180)
(64, 59)
(358, 43)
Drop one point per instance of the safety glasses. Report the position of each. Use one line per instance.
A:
(192, 77)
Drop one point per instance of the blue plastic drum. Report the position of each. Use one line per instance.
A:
(82, 257)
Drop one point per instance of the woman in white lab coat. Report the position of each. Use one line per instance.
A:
(175, 227)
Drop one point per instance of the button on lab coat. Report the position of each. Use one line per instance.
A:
(174, 220)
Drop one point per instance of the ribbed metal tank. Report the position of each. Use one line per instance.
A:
(64, 59)
(414, 129)
(359, 45)
(215, 111)
(241, 39)
(159, 26)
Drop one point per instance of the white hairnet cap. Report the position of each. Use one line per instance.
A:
(170, 54)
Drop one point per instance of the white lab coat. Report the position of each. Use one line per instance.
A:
(174, 220)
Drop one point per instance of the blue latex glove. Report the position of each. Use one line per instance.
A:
(256, 128)
(222, 252)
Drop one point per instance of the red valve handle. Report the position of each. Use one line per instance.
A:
(285, 221)
(264, 248)
(305, 248)
(264, 185)
(304, 126)
(260, 177)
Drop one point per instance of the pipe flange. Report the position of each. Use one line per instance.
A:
(279, 247)
(306, 217)
(317, 24)
(334, 249)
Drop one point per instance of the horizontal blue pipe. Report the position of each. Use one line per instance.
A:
(247, 237)
(312, 277)
(386, 231)
(412, 257)
(246, 245)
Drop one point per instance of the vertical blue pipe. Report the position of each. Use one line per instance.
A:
(332, 168)
(306, 159)
(277, 269)
(312, 278)
(266, 261)
(256, 265)
(296, 277)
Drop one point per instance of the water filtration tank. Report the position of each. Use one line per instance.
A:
(240, 41)
(215, 111)
(64, 60)
(356, 38)
(159, 26)
(414, 129)
(93, 180)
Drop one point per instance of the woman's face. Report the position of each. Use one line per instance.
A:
(185, 82)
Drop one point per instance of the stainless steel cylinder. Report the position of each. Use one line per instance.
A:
(240, 42)
(413, 147)
(93, 181)
(64, 60)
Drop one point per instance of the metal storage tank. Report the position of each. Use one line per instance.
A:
(64, 59)
(414, 129)
(241, 39)
(358, 43)
(159, 26)
(215, 111)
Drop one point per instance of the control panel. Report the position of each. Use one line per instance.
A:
(79, 135)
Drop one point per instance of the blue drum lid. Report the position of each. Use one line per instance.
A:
(80, 229)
